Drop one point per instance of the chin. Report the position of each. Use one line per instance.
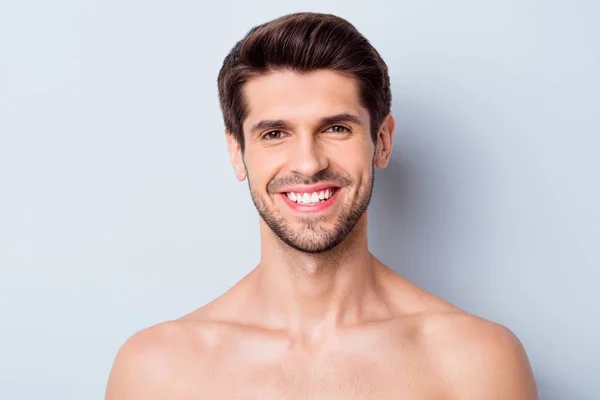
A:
(314, 247)
(314, 238)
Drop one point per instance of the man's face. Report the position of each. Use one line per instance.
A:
(308, 156)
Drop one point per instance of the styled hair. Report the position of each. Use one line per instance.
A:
(303, 42)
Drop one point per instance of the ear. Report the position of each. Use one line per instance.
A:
(383, 147)
(235, 155)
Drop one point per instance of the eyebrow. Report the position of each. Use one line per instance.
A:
(283, 124)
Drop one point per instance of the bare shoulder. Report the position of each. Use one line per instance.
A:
(476, 358)
(162, 361)
(472, 357)
(155, 362)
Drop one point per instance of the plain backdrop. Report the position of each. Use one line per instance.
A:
(119, 209)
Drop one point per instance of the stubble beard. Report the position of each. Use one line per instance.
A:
(312, 236)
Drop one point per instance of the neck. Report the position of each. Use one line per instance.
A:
(314, 293)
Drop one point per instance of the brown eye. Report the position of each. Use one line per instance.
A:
(338, 129)
(273, 135)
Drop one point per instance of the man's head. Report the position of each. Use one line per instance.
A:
(306, 102)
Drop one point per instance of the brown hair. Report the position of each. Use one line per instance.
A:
(303, 42)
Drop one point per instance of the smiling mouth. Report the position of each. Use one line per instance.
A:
(312, 198)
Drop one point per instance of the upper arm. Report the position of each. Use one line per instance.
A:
(483, 360)
(497, 368)
(141, 368)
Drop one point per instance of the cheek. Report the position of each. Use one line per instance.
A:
(361, 150)
(261, 168)
(357, 161)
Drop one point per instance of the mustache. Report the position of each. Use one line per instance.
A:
(321, 176)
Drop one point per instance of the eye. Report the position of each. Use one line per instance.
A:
(273, 135)
(338, 129)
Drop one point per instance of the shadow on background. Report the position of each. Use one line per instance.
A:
(428, 208)
(421, 224)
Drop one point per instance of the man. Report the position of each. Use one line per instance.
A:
(306, 102)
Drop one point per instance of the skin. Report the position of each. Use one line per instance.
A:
(335, 324)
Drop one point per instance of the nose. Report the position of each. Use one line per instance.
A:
(307, 156)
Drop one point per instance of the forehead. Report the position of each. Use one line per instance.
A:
(301, 98)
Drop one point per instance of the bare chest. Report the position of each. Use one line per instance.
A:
(336, 378)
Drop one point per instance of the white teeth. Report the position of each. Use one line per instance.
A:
(310, 198)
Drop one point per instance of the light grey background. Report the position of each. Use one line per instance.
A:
(119, 209)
